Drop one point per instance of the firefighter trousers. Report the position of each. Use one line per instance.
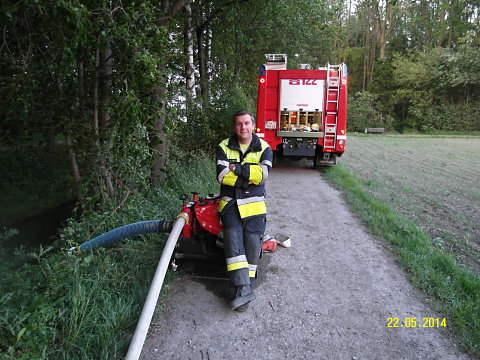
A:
(242, 245)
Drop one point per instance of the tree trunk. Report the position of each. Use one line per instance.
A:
(74, 165)
(105, 116)
(347, 37)
(81, 87)
(369, 58)
(385, 24)
(158, 174)
(370, 43)
(202, 63)
(100, 163)
(188, 49)
(107, 85)
(441, 21)
(96, 82)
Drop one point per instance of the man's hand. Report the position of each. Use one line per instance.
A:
(232, 166)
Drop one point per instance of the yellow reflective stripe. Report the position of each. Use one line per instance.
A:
(236, 259)
(238, 265)
(223, 163)
(221, 205)
(230, 179)
(256, 174)
(269, 163)
(252, 270)
(230, 154)
(250, 200)
(253, 157)
(265, 173)
(222, 174)
(252, 209)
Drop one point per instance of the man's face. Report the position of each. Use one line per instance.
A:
(244, 128)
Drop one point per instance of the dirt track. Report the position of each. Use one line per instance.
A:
(329, 296)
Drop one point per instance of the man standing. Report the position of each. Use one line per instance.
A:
(243, 164)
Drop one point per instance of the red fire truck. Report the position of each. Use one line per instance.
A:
(302, 113)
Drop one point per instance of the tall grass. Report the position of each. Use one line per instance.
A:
(86, 307)
(433, 270)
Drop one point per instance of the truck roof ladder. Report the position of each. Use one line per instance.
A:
(332, 97)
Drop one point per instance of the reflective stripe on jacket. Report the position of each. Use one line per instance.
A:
(246, 184)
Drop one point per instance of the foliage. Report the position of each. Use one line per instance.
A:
(60, 81)
(354, 61)
(362, 113)
(431, 82)
(85, 307)
(103, 73)
(239, 49)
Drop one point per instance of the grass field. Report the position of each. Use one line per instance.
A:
(432, 180)
(421, 195)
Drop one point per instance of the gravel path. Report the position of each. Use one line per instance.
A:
(329, 296)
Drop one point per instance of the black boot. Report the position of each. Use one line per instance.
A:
(243, 296)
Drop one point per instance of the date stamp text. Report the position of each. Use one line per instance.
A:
(413, 322)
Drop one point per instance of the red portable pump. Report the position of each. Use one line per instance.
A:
(201, 238)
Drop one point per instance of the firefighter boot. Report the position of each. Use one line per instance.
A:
(243, 296)
(242, 308)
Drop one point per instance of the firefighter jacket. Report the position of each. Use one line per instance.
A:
(245, 185)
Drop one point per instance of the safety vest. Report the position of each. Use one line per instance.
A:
(245, 185)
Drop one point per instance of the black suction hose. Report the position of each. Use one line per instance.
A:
(143, 227)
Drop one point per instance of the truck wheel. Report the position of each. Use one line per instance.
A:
(318, 153)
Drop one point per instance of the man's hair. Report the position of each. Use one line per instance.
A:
(243, 112)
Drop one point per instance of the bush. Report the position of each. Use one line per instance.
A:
(362, 113)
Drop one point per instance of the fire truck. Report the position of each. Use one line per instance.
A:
(302, 113)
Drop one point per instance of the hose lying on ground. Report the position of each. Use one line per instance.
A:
(142, 227)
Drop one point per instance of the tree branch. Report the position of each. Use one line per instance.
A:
(178, 6)
(217, 11)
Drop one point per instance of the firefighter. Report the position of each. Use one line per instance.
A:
(243, 164)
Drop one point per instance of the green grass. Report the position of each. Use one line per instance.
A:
(436, 272)
(430, 180)
(53, 306)
(443, 133)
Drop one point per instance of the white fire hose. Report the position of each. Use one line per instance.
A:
(143, 324)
